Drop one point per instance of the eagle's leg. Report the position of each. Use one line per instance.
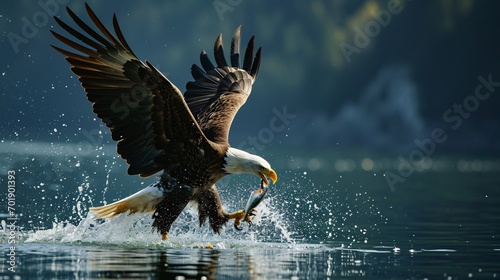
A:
(175, 200)
(210, 206)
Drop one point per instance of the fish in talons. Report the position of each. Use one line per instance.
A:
(254, 200)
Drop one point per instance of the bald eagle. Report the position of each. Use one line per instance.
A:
(157, 128)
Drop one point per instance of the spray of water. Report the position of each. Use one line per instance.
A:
(293, 215)
(270, 226)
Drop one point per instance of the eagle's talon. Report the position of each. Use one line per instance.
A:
(238, 216)
(164, 236)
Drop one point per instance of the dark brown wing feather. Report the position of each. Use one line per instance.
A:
(218, 92)
(145, 112)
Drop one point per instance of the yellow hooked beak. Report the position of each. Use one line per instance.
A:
(269, 173)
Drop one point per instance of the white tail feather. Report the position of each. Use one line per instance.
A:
(142, 201)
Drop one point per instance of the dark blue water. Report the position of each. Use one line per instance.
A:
(330, 216)
(262, 261)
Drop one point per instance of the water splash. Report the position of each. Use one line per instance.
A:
(294, 213)
(269, 226)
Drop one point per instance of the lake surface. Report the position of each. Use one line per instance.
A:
(331, 216)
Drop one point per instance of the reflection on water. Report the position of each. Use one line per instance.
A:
(265, 261)
(83, 262)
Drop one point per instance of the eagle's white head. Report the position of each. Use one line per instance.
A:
(238, 161)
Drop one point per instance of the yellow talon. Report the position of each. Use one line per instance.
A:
(164, 236)
(238, 216)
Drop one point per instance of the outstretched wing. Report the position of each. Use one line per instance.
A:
(218, 92)
(145, 112)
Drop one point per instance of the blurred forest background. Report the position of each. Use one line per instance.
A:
(345, 75)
